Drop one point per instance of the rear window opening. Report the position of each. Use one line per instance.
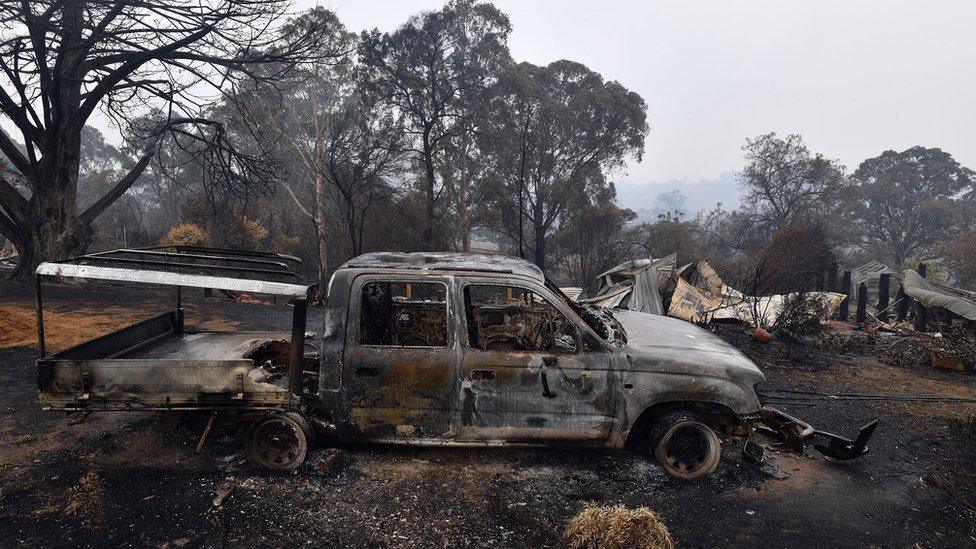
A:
(404, 314)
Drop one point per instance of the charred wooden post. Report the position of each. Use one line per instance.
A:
(862, 304)
(921, 317)
(832, 277)
(921, 312)
(40, 316)
(946, 323)
(904, 303)
(884, 292)
(845, 306)
(297, 352)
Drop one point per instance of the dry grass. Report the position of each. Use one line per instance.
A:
(617, 528)
(63, 329)
(70, 324)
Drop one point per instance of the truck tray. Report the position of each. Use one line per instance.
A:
(153, 366)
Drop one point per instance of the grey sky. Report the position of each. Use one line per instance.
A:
(854, 77)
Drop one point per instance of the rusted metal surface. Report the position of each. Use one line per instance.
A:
(154, 364)
(446, 261)
(591, 392)
(793, 433)
(165, 369)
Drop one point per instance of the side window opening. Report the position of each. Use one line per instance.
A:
(403, 314)
(509, 318)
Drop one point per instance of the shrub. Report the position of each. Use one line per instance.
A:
(186, 234)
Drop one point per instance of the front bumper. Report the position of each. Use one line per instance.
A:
(792, 434)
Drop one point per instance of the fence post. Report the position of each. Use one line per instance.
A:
(845, 306)
(884, 289)
(861, 316)
(904, 303)
(921, 312)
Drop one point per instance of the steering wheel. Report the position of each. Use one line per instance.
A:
(546, 322)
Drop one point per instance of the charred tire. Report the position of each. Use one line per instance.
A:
(277, 442)
(306, 426)
(685, 447)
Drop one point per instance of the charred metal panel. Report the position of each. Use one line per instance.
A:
(178, 370)
(446, 261)
(403, 389)
(525, 395)
(126, 339)
(140, 384)
(534, 396)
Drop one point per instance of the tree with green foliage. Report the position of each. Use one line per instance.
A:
(554, 132)
(433, 70)
(784, 182)
(907, 202)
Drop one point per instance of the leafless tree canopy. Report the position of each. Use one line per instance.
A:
(63, 60)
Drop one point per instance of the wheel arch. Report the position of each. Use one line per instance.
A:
(716, 415)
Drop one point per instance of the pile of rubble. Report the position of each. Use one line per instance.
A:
(697, 294)
(925, 323)
(954, 350)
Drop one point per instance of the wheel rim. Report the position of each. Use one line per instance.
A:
(276, 443)
(686, 448)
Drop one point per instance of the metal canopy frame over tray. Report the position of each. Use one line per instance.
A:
(186, 266)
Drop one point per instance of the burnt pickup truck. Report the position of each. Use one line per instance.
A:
(414, 348)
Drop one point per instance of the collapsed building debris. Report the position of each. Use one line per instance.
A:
(703, 307)
(696, 293)
(955, 350)
(870, 276)
(633, 285)
(942, 299)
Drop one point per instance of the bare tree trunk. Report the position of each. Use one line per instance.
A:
(428, 158)
(540, 237)
(50, 228)
(463, 220)
(320, 234)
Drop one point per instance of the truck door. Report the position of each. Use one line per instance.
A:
(530, 369)
(400, 364)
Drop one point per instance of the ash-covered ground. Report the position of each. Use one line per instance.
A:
(126, 479)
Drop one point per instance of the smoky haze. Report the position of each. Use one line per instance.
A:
(854, 78)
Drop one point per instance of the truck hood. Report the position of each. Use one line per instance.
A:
(662, 344)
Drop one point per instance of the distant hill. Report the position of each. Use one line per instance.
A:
(702, 194)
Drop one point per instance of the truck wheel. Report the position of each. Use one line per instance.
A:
(305, 425)
(277, 442)
(686, 448)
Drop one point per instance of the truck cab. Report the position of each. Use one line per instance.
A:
(461, 349)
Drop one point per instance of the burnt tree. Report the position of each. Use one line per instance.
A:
(163, 61)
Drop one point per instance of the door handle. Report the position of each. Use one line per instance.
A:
(363, 371)
(483, 375)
